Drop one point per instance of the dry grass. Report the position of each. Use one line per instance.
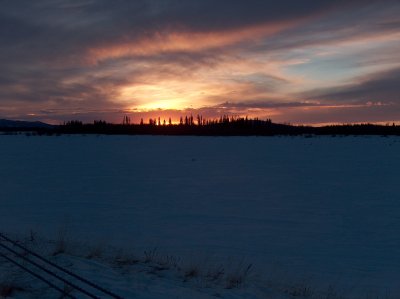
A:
(199, 273)
(96, 251)
(215, 274)
(191, 272)
(238, 277)
(302, 291)
(61, 242)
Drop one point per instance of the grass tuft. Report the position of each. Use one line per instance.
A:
(60, 242)
(191, 272)
(238, 277)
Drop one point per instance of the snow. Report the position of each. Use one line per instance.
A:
(316, 211)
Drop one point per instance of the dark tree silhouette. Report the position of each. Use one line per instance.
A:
(225, 125)
(126, 121)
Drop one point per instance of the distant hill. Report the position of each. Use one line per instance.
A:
(5, 123)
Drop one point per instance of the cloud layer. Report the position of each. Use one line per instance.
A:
(302, 62)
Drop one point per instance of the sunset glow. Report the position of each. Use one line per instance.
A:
(309, 63)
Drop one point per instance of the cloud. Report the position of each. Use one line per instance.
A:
(381, 87)
(95, 58)
(267, 104)
(182, 41)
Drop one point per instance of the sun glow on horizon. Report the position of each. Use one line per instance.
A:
(152, 97)
(173, 94)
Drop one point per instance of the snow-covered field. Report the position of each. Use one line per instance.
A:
(314, 212)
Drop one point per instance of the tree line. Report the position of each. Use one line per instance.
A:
(223, 126)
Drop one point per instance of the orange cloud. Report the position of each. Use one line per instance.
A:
(178, 41)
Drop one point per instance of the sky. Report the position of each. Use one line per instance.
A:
(299, 62)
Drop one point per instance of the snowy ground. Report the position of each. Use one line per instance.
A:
(315, 212)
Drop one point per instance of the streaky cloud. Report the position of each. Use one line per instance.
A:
(383, 87)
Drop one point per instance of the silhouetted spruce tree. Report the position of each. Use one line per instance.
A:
(126, 121)
(191, 120)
